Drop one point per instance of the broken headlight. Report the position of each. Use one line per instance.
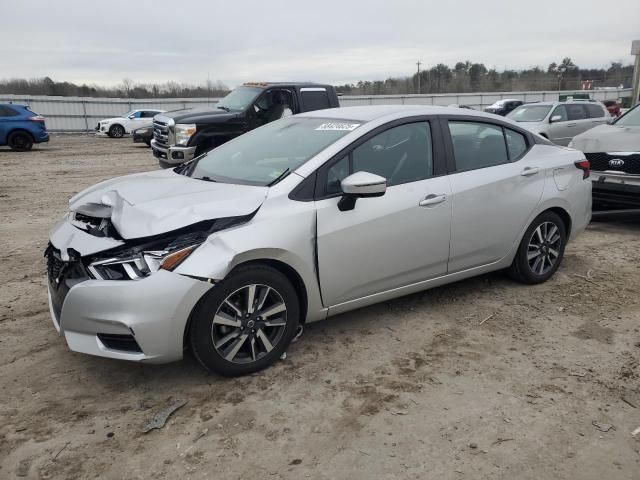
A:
(141, 261)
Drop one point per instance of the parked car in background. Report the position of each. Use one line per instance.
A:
(503, 107)
(143, 135)
(307, 217)
(117, 127)
(560, 121)
(20, 128)
(614, 154)
(181, 135)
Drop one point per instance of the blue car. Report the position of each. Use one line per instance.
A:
(20, 128)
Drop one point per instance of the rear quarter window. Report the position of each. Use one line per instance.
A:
(314, 99)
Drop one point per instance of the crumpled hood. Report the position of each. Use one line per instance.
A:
(608, 138)
(150, 203)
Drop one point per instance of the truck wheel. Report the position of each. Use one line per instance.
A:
(116, 131)
(20, 141)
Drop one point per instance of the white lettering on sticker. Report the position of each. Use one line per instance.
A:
(343, 127)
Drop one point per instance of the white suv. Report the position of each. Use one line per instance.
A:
(560, 121)
(118, 126)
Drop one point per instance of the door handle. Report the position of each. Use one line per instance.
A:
(571, 124)
(432, 200)
(528, 171)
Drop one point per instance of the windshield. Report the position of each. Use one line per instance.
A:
(530, 113)
(630, 119)
(267, 154)
(240, 98)
(126, 115)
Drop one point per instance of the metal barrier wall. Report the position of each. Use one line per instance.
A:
(81, 114)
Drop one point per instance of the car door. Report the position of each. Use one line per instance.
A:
(133, 121)
(579, 120)
(390, 241)
(495, 188)
(597, 114)
(560, 131)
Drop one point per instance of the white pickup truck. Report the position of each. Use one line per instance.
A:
(117, 127)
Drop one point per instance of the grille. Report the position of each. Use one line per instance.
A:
(55, 265)
(61, 277)
(162, 133)
(603, 161)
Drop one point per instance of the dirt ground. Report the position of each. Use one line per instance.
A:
(485, 378)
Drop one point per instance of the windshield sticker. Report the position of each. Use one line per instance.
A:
(341, 127)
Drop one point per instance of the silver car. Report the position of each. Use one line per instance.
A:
(560, 121)
(304, 218)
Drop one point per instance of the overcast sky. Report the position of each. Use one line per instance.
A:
(324, 40)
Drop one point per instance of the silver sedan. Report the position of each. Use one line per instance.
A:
(304, 218)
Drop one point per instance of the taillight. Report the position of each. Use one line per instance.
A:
(585, 166)
(37, 118)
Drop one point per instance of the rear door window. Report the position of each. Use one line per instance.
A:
(477, 145)
(314, 98)
(576, 112)
(595, 110)
(516, 144)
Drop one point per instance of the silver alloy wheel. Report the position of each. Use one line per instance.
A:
(249, 323)
(544, 246)
(117, 131)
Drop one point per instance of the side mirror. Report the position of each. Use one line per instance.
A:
(131, 117)
(360, 185)
(555, 118)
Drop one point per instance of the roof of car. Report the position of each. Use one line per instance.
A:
(280, 84)
(368, 113)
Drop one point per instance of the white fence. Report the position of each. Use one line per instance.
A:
(78, 114)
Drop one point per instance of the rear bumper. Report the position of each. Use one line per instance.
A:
(614, 190)
(41, 137)
(139, 320)
(172, 155)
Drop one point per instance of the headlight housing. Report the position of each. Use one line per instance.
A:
(184, 131)
(134, 263)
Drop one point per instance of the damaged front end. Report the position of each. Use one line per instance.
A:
(117, 297)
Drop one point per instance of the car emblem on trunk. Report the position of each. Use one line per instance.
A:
(616, 162)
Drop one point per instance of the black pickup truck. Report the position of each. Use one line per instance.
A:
(182, 135)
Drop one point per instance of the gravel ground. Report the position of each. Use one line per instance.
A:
(485, 378)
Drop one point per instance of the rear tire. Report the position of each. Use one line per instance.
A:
(20, 141)
(246, 322)
(116, 131)
(541, 250)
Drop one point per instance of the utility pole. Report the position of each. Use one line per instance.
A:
(635, 87)
(418, 63)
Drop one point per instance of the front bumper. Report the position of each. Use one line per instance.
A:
(615, 190)
(173, 155)
(139, 320)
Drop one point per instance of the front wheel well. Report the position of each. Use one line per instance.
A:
(292, 275)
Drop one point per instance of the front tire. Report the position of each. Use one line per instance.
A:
(246, 322)
(20, 141)
(116, 131)
(541, 250)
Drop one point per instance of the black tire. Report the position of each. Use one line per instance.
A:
(536, 264)
(20, 141)
(148, 142)
(116, 131)
(208, 338)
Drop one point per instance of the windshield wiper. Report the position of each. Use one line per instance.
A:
(206, 179)
(279, 177)
(226, 109)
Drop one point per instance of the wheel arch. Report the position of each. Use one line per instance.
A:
(564, 216)
(20, 130)
(287, 270)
